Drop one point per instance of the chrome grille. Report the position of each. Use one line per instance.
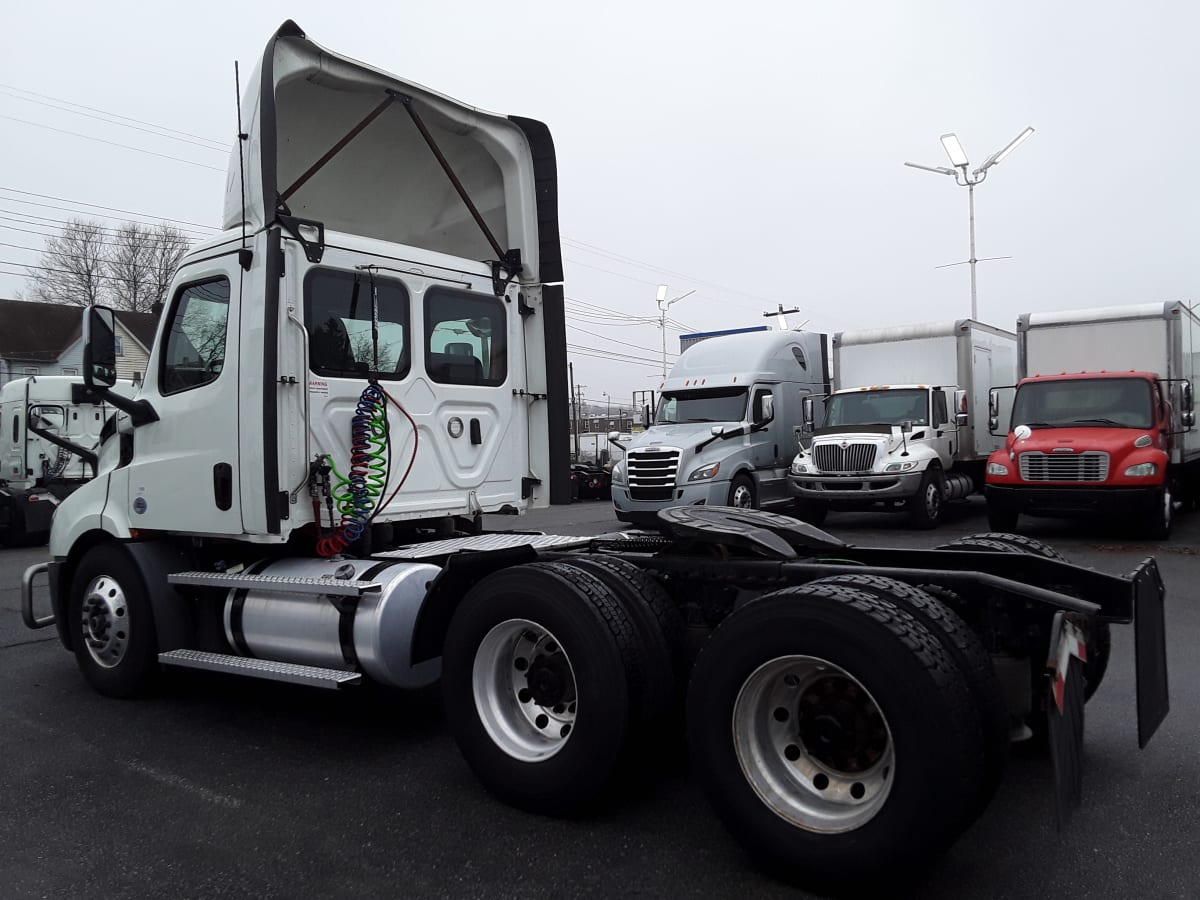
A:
(1089, 466)
(850, 458)
(651, 473)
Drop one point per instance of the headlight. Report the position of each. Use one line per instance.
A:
(798, 466)
(705, 472)
(1141, 470)
(900, 466)
(997, 469)
(618, 474)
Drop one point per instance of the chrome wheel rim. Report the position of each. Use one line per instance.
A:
(813, 744)
(524, 690)
(742, 498)
(933, 499)
(104, 621)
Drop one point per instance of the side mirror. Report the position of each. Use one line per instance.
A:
(906, 426)
(1185, 396)
(1189, 419)
(993, 424)
(961, 417)
(99, 347)
(767, 413)
(806, 407)
(993, 405)
(646, 416)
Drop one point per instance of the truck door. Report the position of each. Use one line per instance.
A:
(767, 447)
(945, 432)
(183, 470)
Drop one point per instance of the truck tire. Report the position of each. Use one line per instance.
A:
(528, 648)
(834, 734)
(811, 511)
(660, 629)
(973, 661)
(742, 494)
(111, 621)
(1099, 643)
(1158, 522)
(1002, 520)
(925, 507)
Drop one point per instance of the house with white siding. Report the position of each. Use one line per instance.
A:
(47, 339)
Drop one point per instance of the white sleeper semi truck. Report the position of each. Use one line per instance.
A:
(902, 431)
(724, 431)
(50, 427)
(372, 354)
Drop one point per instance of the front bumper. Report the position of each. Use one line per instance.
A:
(696, 493)
(855, 488)
(1074, 501)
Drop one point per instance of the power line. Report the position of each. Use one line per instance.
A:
(604, 338)
(96, 206)
(11, 87)
(89, 137)
(169, 137)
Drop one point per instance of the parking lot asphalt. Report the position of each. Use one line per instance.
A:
(218, 787)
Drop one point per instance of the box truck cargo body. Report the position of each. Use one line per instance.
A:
(899, 432)
(1102, 420)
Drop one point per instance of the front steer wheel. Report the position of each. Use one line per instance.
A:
(925, 507)
(542, 674)
(112, 624)
(835, 735)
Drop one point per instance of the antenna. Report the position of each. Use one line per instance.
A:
(244, 254)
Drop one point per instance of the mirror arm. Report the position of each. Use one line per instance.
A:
(140, 411)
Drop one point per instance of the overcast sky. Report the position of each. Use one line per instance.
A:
(751, 152)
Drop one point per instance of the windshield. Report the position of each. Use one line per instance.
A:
(722, 405)
(1097, 402)
(878, 408)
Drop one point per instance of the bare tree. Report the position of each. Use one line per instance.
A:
(71, 269)
(128, 267)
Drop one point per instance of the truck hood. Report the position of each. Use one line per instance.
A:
(686, 436)
(890, 439)
(1112, 440)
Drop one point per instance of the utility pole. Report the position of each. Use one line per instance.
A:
(575, 409)
(782, 314)
(663, 305)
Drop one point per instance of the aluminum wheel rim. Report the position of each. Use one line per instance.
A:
(781, 724)
(524, 689)
(933, 499)
(104, 621)
(741, 497)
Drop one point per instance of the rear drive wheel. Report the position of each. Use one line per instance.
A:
(741, 493)
(973, 660)
(834, 734)
(540, 670)
(925, 507)
(1099, 642)
(112, 624)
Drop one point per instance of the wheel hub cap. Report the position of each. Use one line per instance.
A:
(105, 621)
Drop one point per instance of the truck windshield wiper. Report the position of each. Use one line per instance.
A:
(1099, 421)
(698, 420)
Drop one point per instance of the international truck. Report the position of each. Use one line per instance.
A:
(1103, 421)
(372, 354)
(724, 429)
(900, 432)
(50, 426)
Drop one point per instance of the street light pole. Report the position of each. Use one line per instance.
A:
(663, 305)
(958, 159)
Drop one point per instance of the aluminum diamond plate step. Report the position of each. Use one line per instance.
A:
(327, 586)
(484, 542)
(268, 669)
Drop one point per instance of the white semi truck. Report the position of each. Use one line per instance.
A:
(725, 428)
(375, 347)
(50, 427)
(902, 431)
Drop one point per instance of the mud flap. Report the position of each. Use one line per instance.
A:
(1068, 653)
(1150, 642)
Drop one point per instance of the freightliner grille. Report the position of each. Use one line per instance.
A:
(1089, 466)
(651, 473)
(850, 458)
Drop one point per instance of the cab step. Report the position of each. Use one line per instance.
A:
(335, 587)
(268, 669)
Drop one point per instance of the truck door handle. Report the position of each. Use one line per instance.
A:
(476, 432)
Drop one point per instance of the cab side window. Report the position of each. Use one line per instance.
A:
(194, 353)
(940, 415)
(758, 403)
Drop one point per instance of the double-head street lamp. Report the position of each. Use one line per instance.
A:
(663, 305)
(958, 159)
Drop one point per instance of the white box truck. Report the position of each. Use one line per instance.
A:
(899, 432)
(1102, 421)
(725, 428)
